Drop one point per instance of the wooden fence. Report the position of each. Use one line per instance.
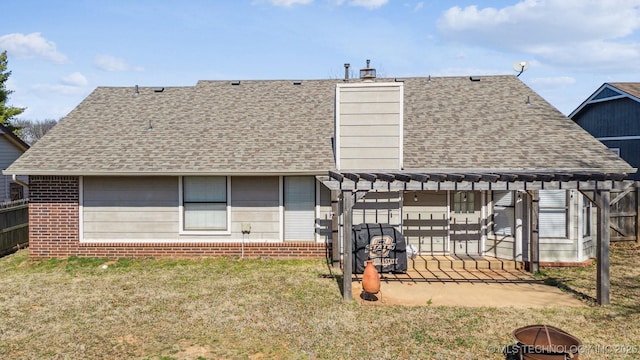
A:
(14, 226)
(624, 214)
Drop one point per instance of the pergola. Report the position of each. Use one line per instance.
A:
(349, 186)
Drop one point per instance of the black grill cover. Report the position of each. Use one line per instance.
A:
(382, 244)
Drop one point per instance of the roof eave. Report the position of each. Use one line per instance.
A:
(161, 173)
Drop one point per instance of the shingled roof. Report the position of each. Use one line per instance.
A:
(286, 127)
(631, 88)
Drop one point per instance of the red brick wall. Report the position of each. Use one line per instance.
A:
(53, 216)
(54, 232)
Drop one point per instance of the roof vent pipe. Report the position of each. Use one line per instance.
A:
(346, 72)
(136, 91)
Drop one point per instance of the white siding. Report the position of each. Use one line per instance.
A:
(369, 126)
(425, 219)
(130, 208)
(254, 201)
(8, 154)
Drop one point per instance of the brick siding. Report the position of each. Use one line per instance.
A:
(54, 232)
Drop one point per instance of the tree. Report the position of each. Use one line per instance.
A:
(32, 131)
(7, 113)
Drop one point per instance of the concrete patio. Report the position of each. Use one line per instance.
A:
(472, 281)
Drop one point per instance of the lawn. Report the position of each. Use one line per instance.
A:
(266, 309)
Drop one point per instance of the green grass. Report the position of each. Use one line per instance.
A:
(266, 309)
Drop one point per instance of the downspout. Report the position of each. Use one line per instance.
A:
(15, 179)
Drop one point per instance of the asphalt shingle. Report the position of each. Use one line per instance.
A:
(275, 126)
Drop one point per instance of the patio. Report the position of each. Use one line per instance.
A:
(468, 281)
(466, 268)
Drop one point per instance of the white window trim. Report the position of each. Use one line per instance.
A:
(182, 231)
(567, 233)
(513, 227)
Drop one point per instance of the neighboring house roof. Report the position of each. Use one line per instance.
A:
(12, 138)
(611, 91)
(276, 126)
(631, 88)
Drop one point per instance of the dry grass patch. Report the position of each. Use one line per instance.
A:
(266, 309)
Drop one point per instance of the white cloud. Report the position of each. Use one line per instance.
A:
(560, 32)
(369, 4)
(467, 71)
(60, 89)
(31, 46)
(75, 79)
(289, 3)
(113, 64)
(552, 82)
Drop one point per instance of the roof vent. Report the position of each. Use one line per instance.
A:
(158, 89)
(346, 72)
(136, 91)
(474, 78)
(368, 73)
(236, 82)
(297, 82)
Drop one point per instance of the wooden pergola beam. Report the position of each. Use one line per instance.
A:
(455, 177)
(337, 176)
(474, 177)
(347, 267)
(603, 242)
(402, 177)
(420, 177)
(534, 261)
(368, 177)
(352, 176)
(386, 177)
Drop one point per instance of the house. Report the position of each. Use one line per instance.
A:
(11, 147)
(460, 165)
(612, 115)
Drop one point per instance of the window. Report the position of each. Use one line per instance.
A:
(299, 207)
(16, 191)
(503, 212)
(552, 221)
(205, 202)
(463, 202)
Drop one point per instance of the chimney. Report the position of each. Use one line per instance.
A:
(346, 72)
(368, 73)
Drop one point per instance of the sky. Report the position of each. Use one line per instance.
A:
(59, 51)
